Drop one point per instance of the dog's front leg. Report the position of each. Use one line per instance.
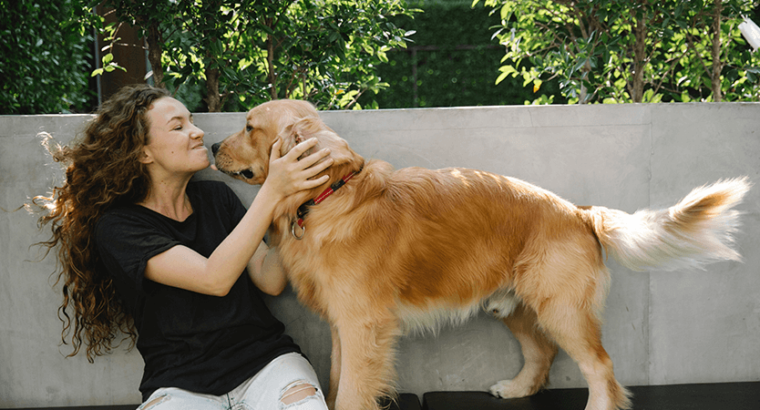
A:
(367, 347)
(332, 393)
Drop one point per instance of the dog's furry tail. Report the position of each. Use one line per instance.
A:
(696, 231)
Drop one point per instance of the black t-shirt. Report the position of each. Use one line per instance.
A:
(201, 343)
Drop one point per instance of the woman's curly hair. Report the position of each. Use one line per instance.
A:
(102, 169)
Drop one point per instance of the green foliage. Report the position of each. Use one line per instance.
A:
(245, 53)
(452, 61)
(45, 52)
(631, 50)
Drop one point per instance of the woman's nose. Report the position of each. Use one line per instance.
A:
(197, 132)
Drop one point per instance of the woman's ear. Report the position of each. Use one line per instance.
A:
(145, 156)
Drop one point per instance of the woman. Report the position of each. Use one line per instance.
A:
(145, 250)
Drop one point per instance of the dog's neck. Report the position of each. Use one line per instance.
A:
(289, 207)
(304, 208)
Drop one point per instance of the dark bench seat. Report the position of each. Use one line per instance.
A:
(718, 396)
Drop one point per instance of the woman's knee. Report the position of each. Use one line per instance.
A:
(154, 402)
(302, 393)
(178, 399)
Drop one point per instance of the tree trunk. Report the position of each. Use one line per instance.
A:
(155, 50)
(717, 65)
(639, 56)
(213, 100)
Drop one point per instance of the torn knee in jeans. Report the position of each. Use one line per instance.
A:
(158, 400)
(297, 391)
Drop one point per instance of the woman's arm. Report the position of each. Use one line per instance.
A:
(266, 271)
(184, 268)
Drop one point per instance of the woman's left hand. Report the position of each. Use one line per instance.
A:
(288, 175)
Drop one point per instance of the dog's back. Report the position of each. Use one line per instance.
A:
(438, 239)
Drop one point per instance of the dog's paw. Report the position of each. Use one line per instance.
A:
(507, 389)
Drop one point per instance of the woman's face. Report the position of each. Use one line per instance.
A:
(175, 144)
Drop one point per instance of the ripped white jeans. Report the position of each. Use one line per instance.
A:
(288, 382)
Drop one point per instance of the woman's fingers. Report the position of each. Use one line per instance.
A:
(313, 183)
(275, 154)
(301, 148)
(288, 174)
(307, 163)
(316, 169)
(309, 172)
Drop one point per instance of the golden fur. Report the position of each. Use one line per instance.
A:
(396, 250)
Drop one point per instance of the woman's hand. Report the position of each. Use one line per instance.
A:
(288, 175)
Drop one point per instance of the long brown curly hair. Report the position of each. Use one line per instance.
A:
(102, 170)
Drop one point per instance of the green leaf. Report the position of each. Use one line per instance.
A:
(505, 11)
(501, 77)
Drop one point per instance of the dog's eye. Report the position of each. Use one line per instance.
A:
(248, 128)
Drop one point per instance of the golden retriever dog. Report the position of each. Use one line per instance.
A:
(385, 251)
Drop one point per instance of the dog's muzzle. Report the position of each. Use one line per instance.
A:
(246, 173)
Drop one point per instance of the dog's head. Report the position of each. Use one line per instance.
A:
(245, 154)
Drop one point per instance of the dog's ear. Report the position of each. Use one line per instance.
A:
(313, 127)
(290, 138)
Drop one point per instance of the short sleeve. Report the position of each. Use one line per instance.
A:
(125, 244)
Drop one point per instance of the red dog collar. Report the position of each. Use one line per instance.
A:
(304, 209)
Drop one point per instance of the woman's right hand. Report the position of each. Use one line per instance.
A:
(288, 175)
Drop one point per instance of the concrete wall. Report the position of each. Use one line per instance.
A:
(660, 327)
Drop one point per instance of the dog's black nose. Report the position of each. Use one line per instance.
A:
(215, 148)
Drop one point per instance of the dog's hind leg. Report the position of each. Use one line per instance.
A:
(335, 359)
(367, 361)
(565, 284)
(577, 331)
(538, 353)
